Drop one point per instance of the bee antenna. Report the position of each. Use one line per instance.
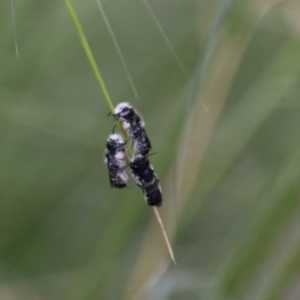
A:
(153, 153)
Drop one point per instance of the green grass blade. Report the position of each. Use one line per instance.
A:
(285, 275)
(210, 48)
(256, 106)
(89, 54)
(258, 243)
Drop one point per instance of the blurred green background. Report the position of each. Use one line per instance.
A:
(224, 123)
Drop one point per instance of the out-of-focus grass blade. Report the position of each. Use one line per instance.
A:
(118, 49)
(256, 106)
(112, 240)
(14, 27)
(209, 51)
(280, 204)
(39, 119)
(280, 280)
(165, 37)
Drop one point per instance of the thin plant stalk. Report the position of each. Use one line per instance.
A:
(166, 38)
(89, 54)
(109, 102)
(160, 222)
(14, 27)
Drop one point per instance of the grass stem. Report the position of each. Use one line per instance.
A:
(89, 54)
(14, 27)
(161, 224)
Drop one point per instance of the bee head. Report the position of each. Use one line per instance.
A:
(123, 110)
(114, 141)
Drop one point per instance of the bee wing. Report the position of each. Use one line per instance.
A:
(124, 176)
(107, 161)
(137, 180)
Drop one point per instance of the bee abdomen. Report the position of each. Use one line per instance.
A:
(146, 179)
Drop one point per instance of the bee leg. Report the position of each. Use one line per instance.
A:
(152, 153)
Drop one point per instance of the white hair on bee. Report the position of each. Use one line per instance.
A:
(121, 107)
(115, 137)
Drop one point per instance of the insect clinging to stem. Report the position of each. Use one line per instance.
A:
(115, 159)
(133, 125)
(92, 61)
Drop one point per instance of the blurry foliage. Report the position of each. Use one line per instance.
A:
(226, 137)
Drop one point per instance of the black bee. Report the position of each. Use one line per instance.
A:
(146, 179)
(115, 159)
(133, 125)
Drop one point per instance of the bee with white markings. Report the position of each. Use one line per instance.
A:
(133, 125)
(115, 159)
(146, 179)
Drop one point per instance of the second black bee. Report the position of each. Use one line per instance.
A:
(115, 159)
